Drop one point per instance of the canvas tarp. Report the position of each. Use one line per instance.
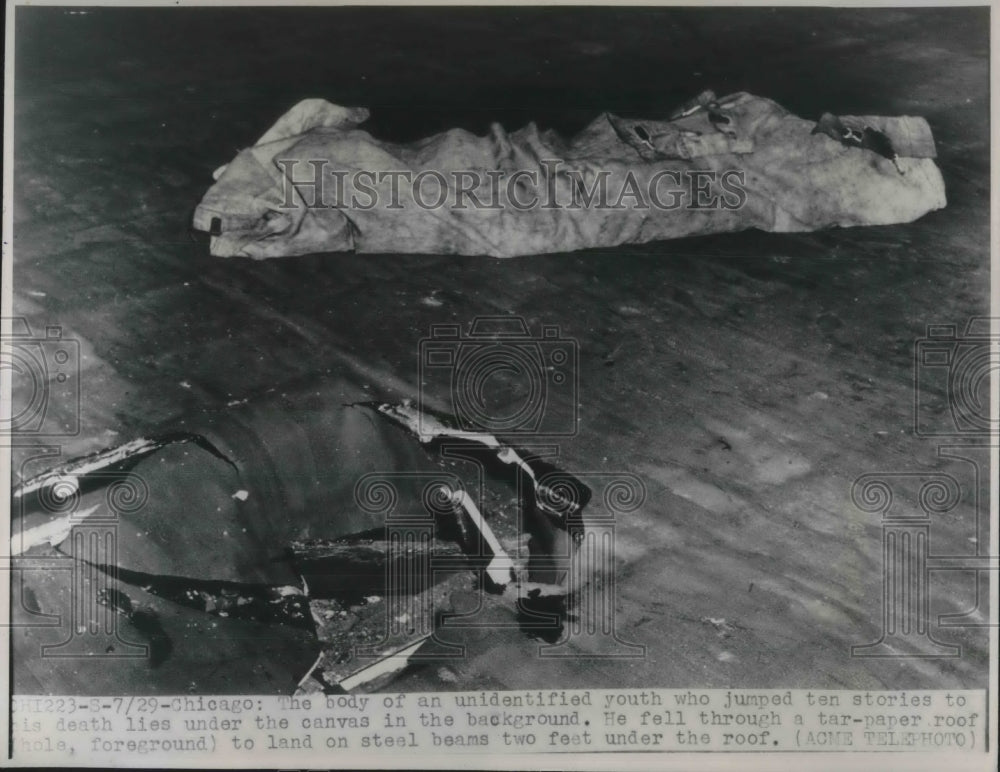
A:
(317, 182)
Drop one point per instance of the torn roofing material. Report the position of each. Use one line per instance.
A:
(120, 457)
(246, 515)
(557, 493)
